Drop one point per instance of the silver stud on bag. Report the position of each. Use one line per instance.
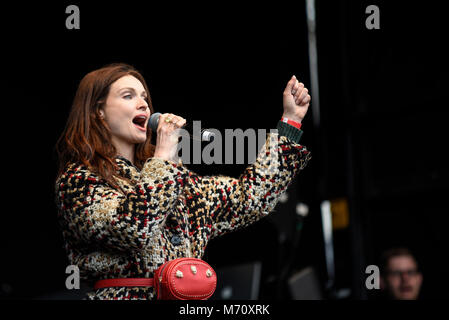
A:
(208, 273)
(179, 274)
(193, 268)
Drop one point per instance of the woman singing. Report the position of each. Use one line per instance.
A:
(126, 208)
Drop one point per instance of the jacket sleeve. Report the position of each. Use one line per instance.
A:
(94, 212)
(236, 203)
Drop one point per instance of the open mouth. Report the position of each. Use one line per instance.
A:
(140, 122)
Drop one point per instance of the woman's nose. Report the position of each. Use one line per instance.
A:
(142, 104)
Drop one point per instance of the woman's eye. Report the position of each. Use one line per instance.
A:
(128, 97)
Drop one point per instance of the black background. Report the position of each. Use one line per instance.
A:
(381, 143)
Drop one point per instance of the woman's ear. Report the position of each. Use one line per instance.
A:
(101, 114)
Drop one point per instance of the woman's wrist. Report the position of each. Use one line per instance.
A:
(161, 154)
(162, 157)
(292, 116)
(167, 154)
(289, 121)
(289, 131)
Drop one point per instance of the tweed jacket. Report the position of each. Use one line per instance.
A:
(163, 212)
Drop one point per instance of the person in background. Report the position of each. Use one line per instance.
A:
(400, 278)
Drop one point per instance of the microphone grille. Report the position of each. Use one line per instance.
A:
(154, 120)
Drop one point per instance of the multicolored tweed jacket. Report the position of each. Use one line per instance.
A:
(164, 212)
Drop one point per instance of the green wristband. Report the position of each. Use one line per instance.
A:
(289, 131)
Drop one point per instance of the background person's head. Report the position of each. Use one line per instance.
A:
(401, 278)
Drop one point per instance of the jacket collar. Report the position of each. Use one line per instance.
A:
(126, 168)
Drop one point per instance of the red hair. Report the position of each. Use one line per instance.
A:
(86, 138)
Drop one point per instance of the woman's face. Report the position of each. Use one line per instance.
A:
(126, 112)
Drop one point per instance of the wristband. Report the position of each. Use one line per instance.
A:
(291, 132)
(291, 122)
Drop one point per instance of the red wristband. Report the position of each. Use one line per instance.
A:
(291, 122)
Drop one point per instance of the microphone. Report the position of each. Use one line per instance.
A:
(203, 135)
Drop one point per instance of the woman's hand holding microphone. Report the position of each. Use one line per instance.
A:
(168, 136)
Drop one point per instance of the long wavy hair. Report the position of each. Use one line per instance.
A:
(86, 138)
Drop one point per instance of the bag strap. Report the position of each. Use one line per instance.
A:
(124, 282)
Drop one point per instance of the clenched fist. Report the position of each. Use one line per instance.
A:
(296, 100)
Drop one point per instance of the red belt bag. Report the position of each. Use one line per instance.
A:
(179, 279)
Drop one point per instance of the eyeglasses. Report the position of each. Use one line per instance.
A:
(398, 273)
